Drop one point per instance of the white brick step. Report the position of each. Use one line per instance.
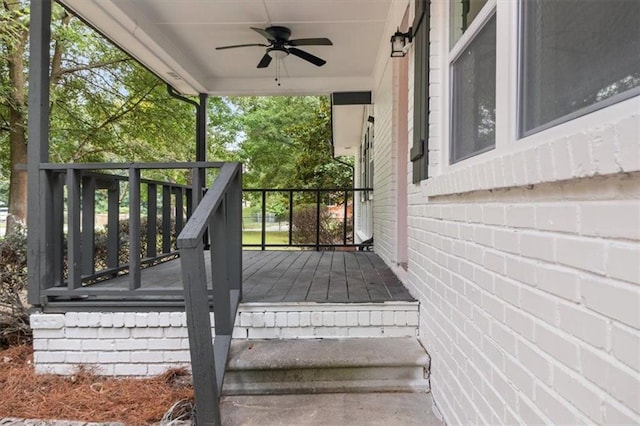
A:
(269, 367)
(296, 320)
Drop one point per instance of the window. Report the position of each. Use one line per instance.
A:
(473, 91)
(576, 56)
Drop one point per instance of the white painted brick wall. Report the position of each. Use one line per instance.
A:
(385, 175)
(526, 264)
(537, 311)
(142, 344)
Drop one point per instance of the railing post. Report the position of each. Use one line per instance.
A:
(113, 225)
(152, 220)
(220, 269)
(344, 218)
(234, 222)
(74, 252)
(317, 220)
(88, 224)
(179, 209)
(166, 219)
(203, 369)
(197, 184)
(134, 228)
(189, 200)
(263, 233)
(290, 217)
(57, 225)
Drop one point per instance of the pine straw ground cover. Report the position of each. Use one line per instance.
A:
(86, 396)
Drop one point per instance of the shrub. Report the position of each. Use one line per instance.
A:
(14, 318)
(304, 225)
(100, 254)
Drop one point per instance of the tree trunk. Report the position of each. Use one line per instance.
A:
(17, 134)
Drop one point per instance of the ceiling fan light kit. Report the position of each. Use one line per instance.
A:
(277, 54)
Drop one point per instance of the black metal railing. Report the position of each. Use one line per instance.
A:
(78, 255)
(219, 215)
(320, 219)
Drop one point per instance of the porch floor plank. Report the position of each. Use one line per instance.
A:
(319, 289)
(300, 287)
(295, 276)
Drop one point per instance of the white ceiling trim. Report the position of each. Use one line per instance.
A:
(294, 86)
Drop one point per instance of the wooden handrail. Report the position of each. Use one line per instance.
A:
(219, 213)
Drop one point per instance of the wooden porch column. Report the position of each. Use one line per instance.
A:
(201, 128)
(201, 137)
(39, 200)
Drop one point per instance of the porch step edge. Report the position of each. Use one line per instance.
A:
(326, 366)
(264, 354)
(328, 386)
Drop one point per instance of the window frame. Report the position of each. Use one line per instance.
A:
(488, 12)
(522, 76)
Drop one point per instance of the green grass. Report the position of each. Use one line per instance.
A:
(272, 237)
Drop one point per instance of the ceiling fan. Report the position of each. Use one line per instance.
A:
(280, 46)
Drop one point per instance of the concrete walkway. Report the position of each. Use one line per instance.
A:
(353, 409)
(335, 409)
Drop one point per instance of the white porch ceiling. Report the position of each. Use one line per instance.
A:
(176, 39)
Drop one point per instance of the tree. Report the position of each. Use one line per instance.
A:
(13, 40)
(104, 106)
(286, 143)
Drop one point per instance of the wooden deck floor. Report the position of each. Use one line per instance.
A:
(326, 276)
(299, 276)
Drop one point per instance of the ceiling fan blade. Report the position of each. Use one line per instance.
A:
(307, 56)
(265, 61)
(240, 45)
(264, 33)
(310, 42)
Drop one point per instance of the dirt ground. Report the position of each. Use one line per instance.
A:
(88, 397)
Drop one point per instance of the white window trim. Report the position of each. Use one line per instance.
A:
(485, 14)
(511, 151)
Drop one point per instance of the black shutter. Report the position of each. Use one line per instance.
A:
(420, 150)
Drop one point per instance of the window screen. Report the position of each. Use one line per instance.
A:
(576, 54)
(474, 95)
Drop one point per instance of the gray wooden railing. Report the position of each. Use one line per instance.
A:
(219, 213)
(82, 182)
(299, 231)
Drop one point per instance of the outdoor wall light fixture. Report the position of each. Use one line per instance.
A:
(399, 43)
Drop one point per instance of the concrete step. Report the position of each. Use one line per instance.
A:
(353, 409)
(271, 367)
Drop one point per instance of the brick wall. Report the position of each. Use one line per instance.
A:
(384, 213)
(530, 301)
(526, 263)
(145, 344)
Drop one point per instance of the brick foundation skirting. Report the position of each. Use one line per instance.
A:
(148, 343)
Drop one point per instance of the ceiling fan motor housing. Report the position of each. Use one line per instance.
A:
(280, 33)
